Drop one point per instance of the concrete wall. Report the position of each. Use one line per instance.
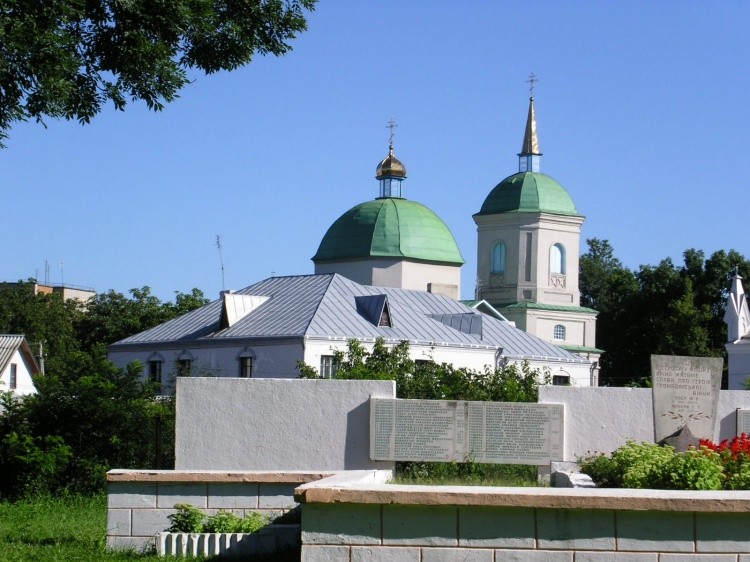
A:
(601, 419)
(275, 424)
(139, 503)
(738, 364)
(370, 522)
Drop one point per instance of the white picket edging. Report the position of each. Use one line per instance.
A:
(267, 541)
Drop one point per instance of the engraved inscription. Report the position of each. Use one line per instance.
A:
(685, 393)
(490, 432)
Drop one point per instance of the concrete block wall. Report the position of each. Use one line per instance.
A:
(140, 502)
(365, 523)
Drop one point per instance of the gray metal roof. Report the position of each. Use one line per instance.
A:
(11, 343)
(326, 306)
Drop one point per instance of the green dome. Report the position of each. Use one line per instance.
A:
(392, 228)
(529, 192)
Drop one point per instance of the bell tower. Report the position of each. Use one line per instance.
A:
(528, 231)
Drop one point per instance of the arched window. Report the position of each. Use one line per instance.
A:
(559, 332)
(498, 258)
(557, 259)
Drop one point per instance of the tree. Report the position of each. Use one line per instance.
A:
(664, 309)
(66, 58)
(429, 380)
(111, 316)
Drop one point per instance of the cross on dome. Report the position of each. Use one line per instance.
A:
(392, 126)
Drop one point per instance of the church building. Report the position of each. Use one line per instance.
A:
(528, 232)
(390, 268)
(737, 319)
(392, 241)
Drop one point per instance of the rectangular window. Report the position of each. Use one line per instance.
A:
(527, 269)
(560, 380)
(328, 366)
(154, 371)
(183, 367)
(13, 376)
(246, 367)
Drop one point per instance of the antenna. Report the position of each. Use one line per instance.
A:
(46, 272)
(62, 277)
(221, 261)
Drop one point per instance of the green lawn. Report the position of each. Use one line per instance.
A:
(57, 530)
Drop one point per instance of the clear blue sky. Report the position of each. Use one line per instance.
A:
(642, 111)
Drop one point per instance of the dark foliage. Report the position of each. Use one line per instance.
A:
(66, 58)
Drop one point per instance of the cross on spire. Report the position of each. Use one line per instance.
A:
(531, 81)
(392, 126)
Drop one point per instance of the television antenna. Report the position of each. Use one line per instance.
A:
(221, 261)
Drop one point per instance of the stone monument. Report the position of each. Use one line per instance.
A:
(686, 398)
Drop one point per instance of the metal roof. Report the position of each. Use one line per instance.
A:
(529, 192)
(326, 307)
(11, 343)
(389, 227)
(555, 307)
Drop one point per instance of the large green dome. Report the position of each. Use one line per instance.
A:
(389, 227)
(529, 192)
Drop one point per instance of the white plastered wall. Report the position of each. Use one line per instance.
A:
(738, 364)
(278, 360)
(602, 419)
(397, 273)
(24, 383)
(265, 424)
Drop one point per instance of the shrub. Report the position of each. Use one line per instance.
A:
(187, 519)
(646, 465)
(190, 519)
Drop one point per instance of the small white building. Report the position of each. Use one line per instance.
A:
(17, 365)
(737, 318)
(265, 329)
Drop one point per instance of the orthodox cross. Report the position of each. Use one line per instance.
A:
(531, 81)
(392, 126)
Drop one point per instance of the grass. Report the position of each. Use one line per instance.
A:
(50, 529)
(70, 529)
(465, 474)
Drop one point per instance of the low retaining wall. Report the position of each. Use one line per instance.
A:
(363, 522)
(140, 502)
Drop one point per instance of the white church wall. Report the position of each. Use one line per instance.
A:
(24, 383)
(285, 424)
(396, 273)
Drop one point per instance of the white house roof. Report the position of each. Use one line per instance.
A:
(327, 307)
(11, 343)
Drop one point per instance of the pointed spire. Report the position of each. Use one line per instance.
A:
(737, 315)
(529, 159)
(530, 139)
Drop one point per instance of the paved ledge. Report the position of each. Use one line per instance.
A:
(327, 491)
(288, 477)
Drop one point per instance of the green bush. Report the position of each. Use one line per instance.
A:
(647, 465)
(190, 519)
(187, 519)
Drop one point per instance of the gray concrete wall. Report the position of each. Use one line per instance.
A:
(275, 424)
(601, 419)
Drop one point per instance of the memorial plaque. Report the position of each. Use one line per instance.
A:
(685, 392)
(443, 430)
(743, 421)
